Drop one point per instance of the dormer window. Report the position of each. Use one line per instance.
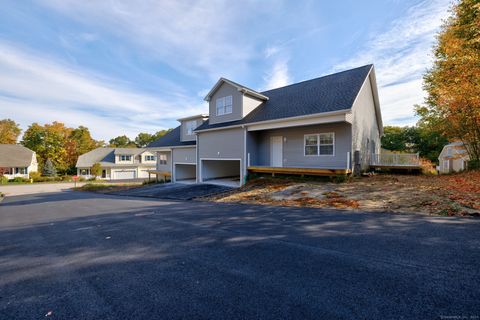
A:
(125, 157)
(149, 158)
(224, 105)
(191, 125)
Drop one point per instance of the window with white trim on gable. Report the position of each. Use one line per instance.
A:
(191, 125)
(162, 159)
(320, 144)
(224, 105)
(149, 158)
(125, 157)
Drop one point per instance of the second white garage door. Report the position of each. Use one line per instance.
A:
(125, 174)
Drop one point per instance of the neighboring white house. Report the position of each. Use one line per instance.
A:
(117, 163)
(17, 161)
(453, 158)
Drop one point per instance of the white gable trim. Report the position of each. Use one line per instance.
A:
(373, 83)
(238, 87)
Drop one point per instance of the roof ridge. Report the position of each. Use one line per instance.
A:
(325, 76)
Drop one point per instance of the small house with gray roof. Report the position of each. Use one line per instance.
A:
(324, 126)
(117, 163)
(17, 161)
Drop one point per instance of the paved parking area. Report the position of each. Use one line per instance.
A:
(76, 255)
(174, 191)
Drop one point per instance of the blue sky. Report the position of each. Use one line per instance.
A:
(124, 67)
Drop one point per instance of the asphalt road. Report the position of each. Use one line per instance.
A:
(25, 189)
(78, 255)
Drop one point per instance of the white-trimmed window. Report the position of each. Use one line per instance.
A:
(125, 157)
(191, 125)
(320, 144)
(149, 158)
(224, 105)
(162, 159)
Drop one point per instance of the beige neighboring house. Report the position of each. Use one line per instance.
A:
(17, 161)
(453, 158)
(117, 163)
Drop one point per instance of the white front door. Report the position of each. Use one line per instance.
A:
(276, 151)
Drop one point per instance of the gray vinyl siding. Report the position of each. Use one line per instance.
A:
(365, 126)
(293, 146)
(184, 155)
(221, 144)
(183, 130)
(226, 90)
(166, 167)
(226, 143)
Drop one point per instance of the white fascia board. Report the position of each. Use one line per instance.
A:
(198, 116)
(156, 149)
(327, 117)
(183, 147)
(300, 122)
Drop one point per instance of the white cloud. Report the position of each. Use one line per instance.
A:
(278, 76)
(401, 55)
(36, 89)
(196, 38)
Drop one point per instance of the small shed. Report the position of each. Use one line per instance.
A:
(453, 158)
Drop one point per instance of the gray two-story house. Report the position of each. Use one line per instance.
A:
(324, 126)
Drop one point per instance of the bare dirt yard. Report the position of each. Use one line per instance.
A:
(455, 194)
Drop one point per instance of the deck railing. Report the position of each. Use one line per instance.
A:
(396, 159)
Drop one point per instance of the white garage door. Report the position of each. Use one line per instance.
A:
(126, 174)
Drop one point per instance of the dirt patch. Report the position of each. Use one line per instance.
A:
(456, 194)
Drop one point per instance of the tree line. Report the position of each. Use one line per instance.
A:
(62, 145)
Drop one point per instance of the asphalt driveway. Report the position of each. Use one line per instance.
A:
(79, 255)
(174, 191)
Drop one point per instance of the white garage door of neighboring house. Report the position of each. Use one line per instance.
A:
(125, 174)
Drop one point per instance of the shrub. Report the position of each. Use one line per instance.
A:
(3, 180)
(19, 179)
(92, 179)
(339, 178)
(66, 178)
(35, 176)
(473, 164)
(80, 178)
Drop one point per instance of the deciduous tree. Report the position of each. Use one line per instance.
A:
(122, 142)
(9, 131)
(453, 83)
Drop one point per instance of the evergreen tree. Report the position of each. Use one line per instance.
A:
(49, 169)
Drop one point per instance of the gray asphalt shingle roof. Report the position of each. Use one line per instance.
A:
(329, 93)
(171, 139)
(15, 156)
